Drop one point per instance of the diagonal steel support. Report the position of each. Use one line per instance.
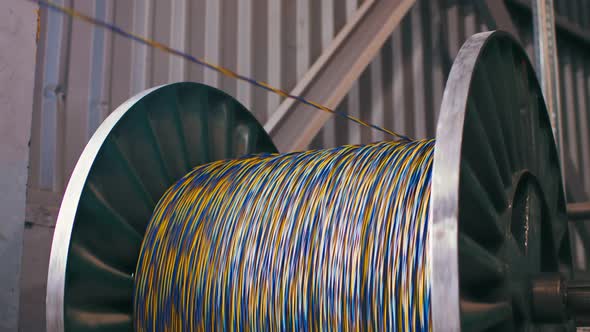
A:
(330, 78)
(497, 16)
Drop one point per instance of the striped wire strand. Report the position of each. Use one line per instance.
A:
(316, 240)
(200, 61)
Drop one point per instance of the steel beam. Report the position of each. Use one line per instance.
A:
(562, 23)
(547, 67)
(497, 16)
(18, 27)
(292, 126)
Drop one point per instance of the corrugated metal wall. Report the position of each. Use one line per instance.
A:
(402, 88)
(574, 63)
(85, 72)
(91, 72)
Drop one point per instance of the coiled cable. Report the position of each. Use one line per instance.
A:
(329, 239)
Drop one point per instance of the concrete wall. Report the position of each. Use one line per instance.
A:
(18, 26)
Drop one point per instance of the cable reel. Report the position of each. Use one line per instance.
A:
(498, 240)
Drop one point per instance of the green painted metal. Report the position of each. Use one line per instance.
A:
(158, 140)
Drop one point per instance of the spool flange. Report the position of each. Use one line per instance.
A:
(138, 152)
(498, 219)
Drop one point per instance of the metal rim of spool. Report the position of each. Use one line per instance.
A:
(497, 206)
(138, 152)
